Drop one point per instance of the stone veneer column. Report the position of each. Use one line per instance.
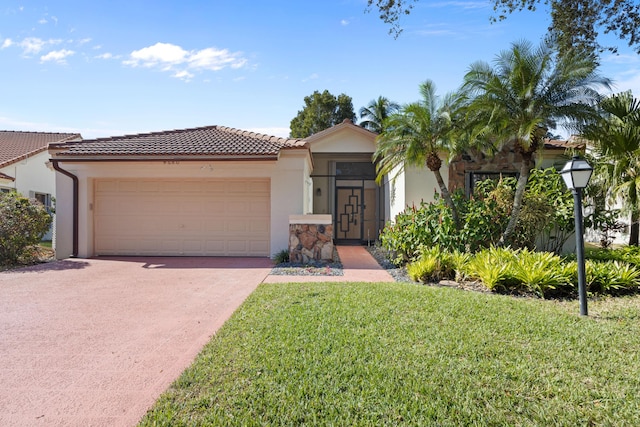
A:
(310, 238)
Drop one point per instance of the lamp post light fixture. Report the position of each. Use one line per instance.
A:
(576, 174)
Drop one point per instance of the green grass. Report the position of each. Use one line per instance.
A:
(402, 354)
(46, 244)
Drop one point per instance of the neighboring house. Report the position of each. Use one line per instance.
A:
(218, 191)
(24, 163)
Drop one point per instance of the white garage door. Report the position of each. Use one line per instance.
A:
(214, 217)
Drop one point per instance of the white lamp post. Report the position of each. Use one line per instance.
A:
(576, 174)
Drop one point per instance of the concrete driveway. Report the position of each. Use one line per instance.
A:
(95, 342)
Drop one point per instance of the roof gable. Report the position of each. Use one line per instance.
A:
(16, 146)
(345, 137)
(210, 141)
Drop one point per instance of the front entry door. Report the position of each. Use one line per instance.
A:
(349, 214)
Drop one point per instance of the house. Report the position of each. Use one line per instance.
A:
(219, 191)
(213, 191)
(24, 163)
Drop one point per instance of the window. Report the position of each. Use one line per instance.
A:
(5, 190)
(45, 199)
(355, 170)
(473, 178)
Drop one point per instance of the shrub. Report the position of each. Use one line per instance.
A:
(281, 257)
(541, 272)
(546, 217)
(493, 267)
(417, 228)
(433, 265)
(611, 277)
(24, 222)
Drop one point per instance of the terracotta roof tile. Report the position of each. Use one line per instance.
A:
(572, 143)
(7, 177)
(203, 141)
(15, 146)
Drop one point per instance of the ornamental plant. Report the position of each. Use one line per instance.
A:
(23, 222)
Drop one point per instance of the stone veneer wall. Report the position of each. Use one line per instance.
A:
(310, 243)
(473, 161)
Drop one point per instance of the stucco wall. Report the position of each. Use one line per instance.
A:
(287, 177)
(31, 175)
(412, 186)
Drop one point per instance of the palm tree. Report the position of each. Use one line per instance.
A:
(527, 92)
(617, 142)
(376, 112)
(417, 135)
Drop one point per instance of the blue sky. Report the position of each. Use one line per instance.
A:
(126, 66)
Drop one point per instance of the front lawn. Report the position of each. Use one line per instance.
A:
(403, 354)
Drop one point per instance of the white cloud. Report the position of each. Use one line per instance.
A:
(183, 75)
(173, 58)
(57, 56)
(628, 81)
(344, 22)
(43, 21)
(107, 55)
(158, 54)
(34, 45)
(215, 59)
(6, 43)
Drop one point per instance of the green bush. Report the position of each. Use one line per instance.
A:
(24, 222)
(281, 257)
(542, 273)
(546, 219)
(434, 265)
(493, 267)
(611, 277)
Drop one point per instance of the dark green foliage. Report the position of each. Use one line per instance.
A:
(320, 112)
(374, 114)
(547, 219)
(23, 223)
(575, 23)
(281, 257)
(524, 271)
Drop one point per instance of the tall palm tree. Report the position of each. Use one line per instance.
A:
(418, 134)
(527, 92)
(617, 142)
(374, 114)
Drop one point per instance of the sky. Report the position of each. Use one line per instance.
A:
(109, 68)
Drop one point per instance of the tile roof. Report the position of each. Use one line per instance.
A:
(203, 141)
(15, 146)
(7, 177)
(572, 143)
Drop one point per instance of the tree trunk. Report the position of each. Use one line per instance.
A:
(634, 230)
(444, 192)
(523, 179)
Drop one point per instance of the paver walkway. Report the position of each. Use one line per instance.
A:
(358, 266)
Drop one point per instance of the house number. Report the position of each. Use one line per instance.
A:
(172, 162)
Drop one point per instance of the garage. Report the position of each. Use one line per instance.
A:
(184, 217)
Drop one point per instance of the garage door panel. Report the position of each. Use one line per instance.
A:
(213, 217)
(128, 186)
